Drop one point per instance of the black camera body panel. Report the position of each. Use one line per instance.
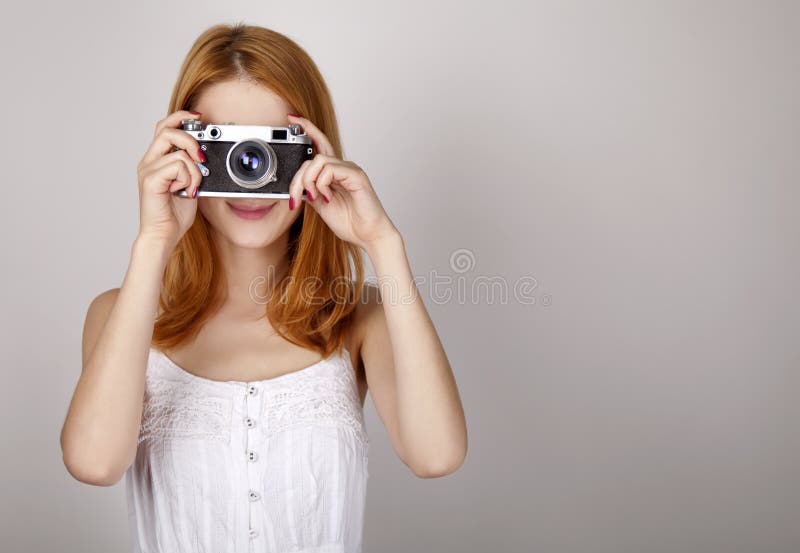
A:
(248, 160)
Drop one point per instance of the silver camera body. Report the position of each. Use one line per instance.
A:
(249, 161)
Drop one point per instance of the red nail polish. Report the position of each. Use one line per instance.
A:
(310, 197)
(291, 203)
(324, 197)
(294, 115)
(195, 112)
(201, 155)
(194, 194)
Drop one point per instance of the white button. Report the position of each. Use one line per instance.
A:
(253, 533)
(252, 455)
(252, 390)
(249, 422)
(254, 495)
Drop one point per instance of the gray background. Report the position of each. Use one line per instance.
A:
(638, 159)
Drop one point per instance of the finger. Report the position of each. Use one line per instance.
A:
(308, 180)
(174, 119)
(324, 183)
(296, 186)
(195, 176)
(194, 173)
(347, 175)
(311, 175)
(169, 138)
(170, 177)
(315, 205)
(182, 179)
(321, 142)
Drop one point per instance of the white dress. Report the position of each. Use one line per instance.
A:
(277, 465)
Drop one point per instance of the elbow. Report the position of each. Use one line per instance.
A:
(91, 473)
(88, 469)
(440, 467)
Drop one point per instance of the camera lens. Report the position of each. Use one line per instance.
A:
(251, 163)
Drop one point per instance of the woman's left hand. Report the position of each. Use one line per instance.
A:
(340, 192)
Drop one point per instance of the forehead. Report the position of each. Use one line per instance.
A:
(242, 103)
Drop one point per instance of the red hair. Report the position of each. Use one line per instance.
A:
(193, 287)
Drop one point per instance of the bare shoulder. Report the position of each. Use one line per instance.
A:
(368, 308)
(101, 305)
(96, 317)
(363, 315)
(371, 299)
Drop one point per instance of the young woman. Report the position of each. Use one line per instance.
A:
(226, 377)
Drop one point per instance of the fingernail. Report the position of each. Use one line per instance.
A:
(324, 197)
(291, 203)
(310, 197)
(195, 112)
(194, 194)
(294, 115)
(201, 155)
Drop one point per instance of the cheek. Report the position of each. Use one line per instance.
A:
(206, 206)
(280, 218)
(214, 210)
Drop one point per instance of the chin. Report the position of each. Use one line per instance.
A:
(248, 239)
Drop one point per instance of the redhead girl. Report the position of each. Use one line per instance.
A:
(225, 378)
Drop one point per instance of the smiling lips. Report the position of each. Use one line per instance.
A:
(250, 211)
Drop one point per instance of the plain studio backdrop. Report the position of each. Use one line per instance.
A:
(598, 198)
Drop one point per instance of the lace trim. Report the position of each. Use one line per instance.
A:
(180, 410)
(321, 398)
(191, 407)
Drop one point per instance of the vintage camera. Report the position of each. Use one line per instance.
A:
(248, 160)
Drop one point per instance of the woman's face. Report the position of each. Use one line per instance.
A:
(233, 219)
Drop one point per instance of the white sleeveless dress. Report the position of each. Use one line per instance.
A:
(277, 465)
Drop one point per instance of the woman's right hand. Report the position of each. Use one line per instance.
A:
(161, 172)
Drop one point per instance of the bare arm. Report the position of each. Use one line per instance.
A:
(100, 433)
(409, 376)
(407, 370)
(101, 429)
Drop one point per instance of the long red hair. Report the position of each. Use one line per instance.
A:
(193, 286)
